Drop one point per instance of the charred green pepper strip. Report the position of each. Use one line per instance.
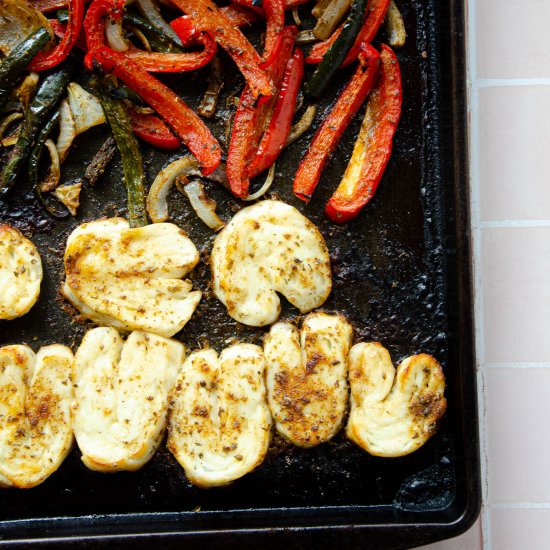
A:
(13, 67)
(159, 41)
(337, 52)
(128, 147)
(34, 161)
(47, 97)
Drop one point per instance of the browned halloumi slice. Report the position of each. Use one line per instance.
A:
(121, 396)
(219, 426)
(131, 278)
(307, 377)
(36, 392)
(269, 248)
(393, 412)
(20, 273)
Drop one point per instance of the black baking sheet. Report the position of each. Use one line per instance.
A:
(401, 274)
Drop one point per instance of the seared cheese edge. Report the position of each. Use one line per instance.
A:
(20, 273)
(269, 248)
(219, 426)
(131, 278)
(393, 412)
(35, 413)
(307, 377)
(121, 396)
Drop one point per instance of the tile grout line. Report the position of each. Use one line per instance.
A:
(501, 224)
(521, 506)
(510, 82)
(533, 365)
(473, 96)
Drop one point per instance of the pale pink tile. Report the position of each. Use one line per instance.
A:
(515, 271)
(516, 429)
(512, 38)
(471, 540)
(520, 529)
(514, 159)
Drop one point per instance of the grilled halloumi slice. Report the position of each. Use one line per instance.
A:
(131, 279)
(219, 427)
(20, 273)
(121, 396)
(393, 413)
(268, 248)
(36, 392)
(307, 377)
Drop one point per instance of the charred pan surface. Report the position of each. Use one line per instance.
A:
(391, 279)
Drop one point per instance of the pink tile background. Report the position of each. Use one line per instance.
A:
(518, 448)
(509, 81)
(513, 171)
(520, 528)
(513, 38)
(515, 269)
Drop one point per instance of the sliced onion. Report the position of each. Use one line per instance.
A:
(115, 35)
(67, 130)
(303, 125)
(51, 181)
(319, 8)
(139, 108)
(265, 187)
(69, 195)
(142, 38)
(203, 205)
(395, 26)
(86, 108)
(305, 37)
(151, 12)
(330, 18)
(215, 83)
(157, 205)
(25, 91)
(7, 122)
(11, 139)
(296, 16)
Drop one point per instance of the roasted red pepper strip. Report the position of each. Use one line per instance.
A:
(46, 6)
(152, 130)
(94, 26)
(175, 112)
(175, 62)
(329, 133)
(184, 28)
(377, 12)
(276, 134)
(249, 121)
(275, 17)
(47, 60)
(240, 15)
(207, 17)
(250, 4)
(373, 146)
(290, 4)
(61, 28)
(287, 4)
